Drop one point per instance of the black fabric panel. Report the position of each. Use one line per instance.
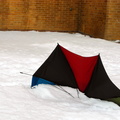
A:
(56, 69)
(100, 85)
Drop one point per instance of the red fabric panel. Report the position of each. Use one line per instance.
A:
(82, 67)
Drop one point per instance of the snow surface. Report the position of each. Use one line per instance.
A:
(26, 51)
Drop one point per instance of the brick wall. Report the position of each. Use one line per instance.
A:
(92, 17)
(97, 18)
(112, 31)
(53, 15)
(100, 18)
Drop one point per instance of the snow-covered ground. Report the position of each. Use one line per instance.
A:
(25, 52)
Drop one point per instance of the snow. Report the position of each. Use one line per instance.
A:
(26, 51)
